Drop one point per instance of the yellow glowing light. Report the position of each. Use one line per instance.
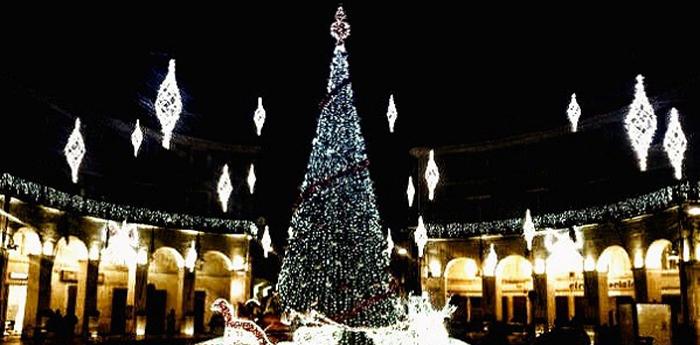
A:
(638, 259)
(470, 269)
(402, 251)
(142, 256)
(47, 248)
(490, 262)
(94, 253)
(237, 288)
(694, 211)
(686, 250)
(435, 268)
(540, 266)
(238, 263)
(589, 264)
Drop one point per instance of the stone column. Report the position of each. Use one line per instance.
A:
(44, 297)
(140, 295)
(91, 312)
(596, 293)
(188, 302)
(31, 306)
(4, 258)
(640, 285)
(489, 295)
(540, 300)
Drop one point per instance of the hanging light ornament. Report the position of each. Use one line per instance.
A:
(136, 138)
(191, 256)
(675, 143)
(410, 191)
(573, 112)
(420, 236)
(75, 150)
(224, 188)
(259, 116)
(389, 244)
(432, 175)
(251, 178)
(391, 113)
(640, 123)
(528, 229)
(340, 29)
(266, 241)
(490, 262)
(168, 104)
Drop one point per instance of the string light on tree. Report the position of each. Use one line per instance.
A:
(224, 188)
(266, 241)
(389, 244)
(75, 151)
(420, 236)
(391, 113)
(251, 178)
(136, 138)
(410, 191)
(675, 143)
(573, 112)
(640, 123)
(259, 116)
(528, 229)
(432, 175)
(168, 104)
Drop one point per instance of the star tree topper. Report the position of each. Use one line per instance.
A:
(340, 29)
(75, 150)
(168, 104)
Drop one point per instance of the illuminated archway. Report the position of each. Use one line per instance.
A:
(616, 262)
(68, 280)
(513, 282)
(18, 279)
(214, 280)
(662, 271)
(462, 279)
(658, 255)
(166, 274)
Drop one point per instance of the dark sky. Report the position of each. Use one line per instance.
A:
(459, 74)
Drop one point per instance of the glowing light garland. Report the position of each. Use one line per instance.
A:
(75, 151)
(266, 241)
(432, 175)
(675, 143)
(391, 113)
(224, 188)
(136, 138)
(259, 116)
(168, 104)
(528, 229)
(420, 236)
(640, 123)
(251, 179)
(410, 191)
(573, 112)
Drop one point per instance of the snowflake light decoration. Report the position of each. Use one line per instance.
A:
(528, 229)
(75, 150)
(675, 143)
(340, 29)
(266, 241)
(259, 116)
(136, 138)
(573, 112)
(389, 244)
(168, 104)
(420, 236)
(432, 175)
(251, 178)
(410, 191)
(224, 188)
(640, 123)
(391, 113)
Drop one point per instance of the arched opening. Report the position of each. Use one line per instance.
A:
(616, 262)
(115, 278)
(513, 282)
(463, 288)
(212, 281)
(164, 292)
(18, 279)
(663, 282)
(564, 268)
(660, 256)
(68, 278)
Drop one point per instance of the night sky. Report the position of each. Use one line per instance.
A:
(459, 76)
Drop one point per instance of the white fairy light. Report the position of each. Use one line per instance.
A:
(251, 178)
(290, 233)
(573, 112)
(410, 191)
(75, 150)
(191, 256)
(389, 244)
(259, 116)
(490, 262)
(640, 123)
(266, 241)
(340, 29)
(253, 229)
(136, 138)
(168, 104)
(432, 175)
(420, 236)
(528, 229)
(391, 113)
(675, 143)
(224, 188)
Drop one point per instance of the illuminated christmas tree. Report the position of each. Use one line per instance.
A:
(336, 263)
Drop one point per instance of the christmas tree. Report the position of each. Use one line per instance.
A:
(336, 262)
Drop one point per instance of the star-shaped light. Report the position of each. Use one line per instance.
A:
(259, 116)
(266, 241)
(340, 29)
(640, 123)
(410, 191)
(168, 104)
(251, 178)
(573, 112)
(224, 188)
(75, 150)
(136, 138)
(432, 175)
(528, 229)
(389, 244)
(675, 143)
(420, 236)
(391, 113)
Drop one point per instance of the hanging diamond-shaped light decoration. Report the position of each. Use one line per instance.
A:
(410, 191)
(391, 113)
(224, 188)
(675, 143)
(528, 229)
(259, 116)
(490, 262)
(640, 123)
(389, 244)
(75, 151)
(251, 178)
(340, 29)
(191, 256)
(573, 112)
(432, 175)
(168, 104)
(266, 241)
(136, 138)
(420, 236)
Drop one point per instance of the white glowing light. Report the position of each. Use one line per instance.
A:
(540, 266)
(432, 175)
(94, 253)
(253, 229)
(191, 256)
(470, 269)
(251, 178)
(402, 251)
(142, 256)
(640, 123)
(290, 233)
(340, 29)
(123, 241)
(391, 113)
(435, 268)
(168, 104)
(259, 116)
(686, 250)
(266, 241)
(420, 236)
(675, 143)
(410, 191)
(589, 264)
(47, 248)
(528, 229)
(694, 211)
(238, 263)
(490, 262)
(638, 259)
(224, 188)
(573, 112)
(389, 244)
(75, 150)
(136, 138)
